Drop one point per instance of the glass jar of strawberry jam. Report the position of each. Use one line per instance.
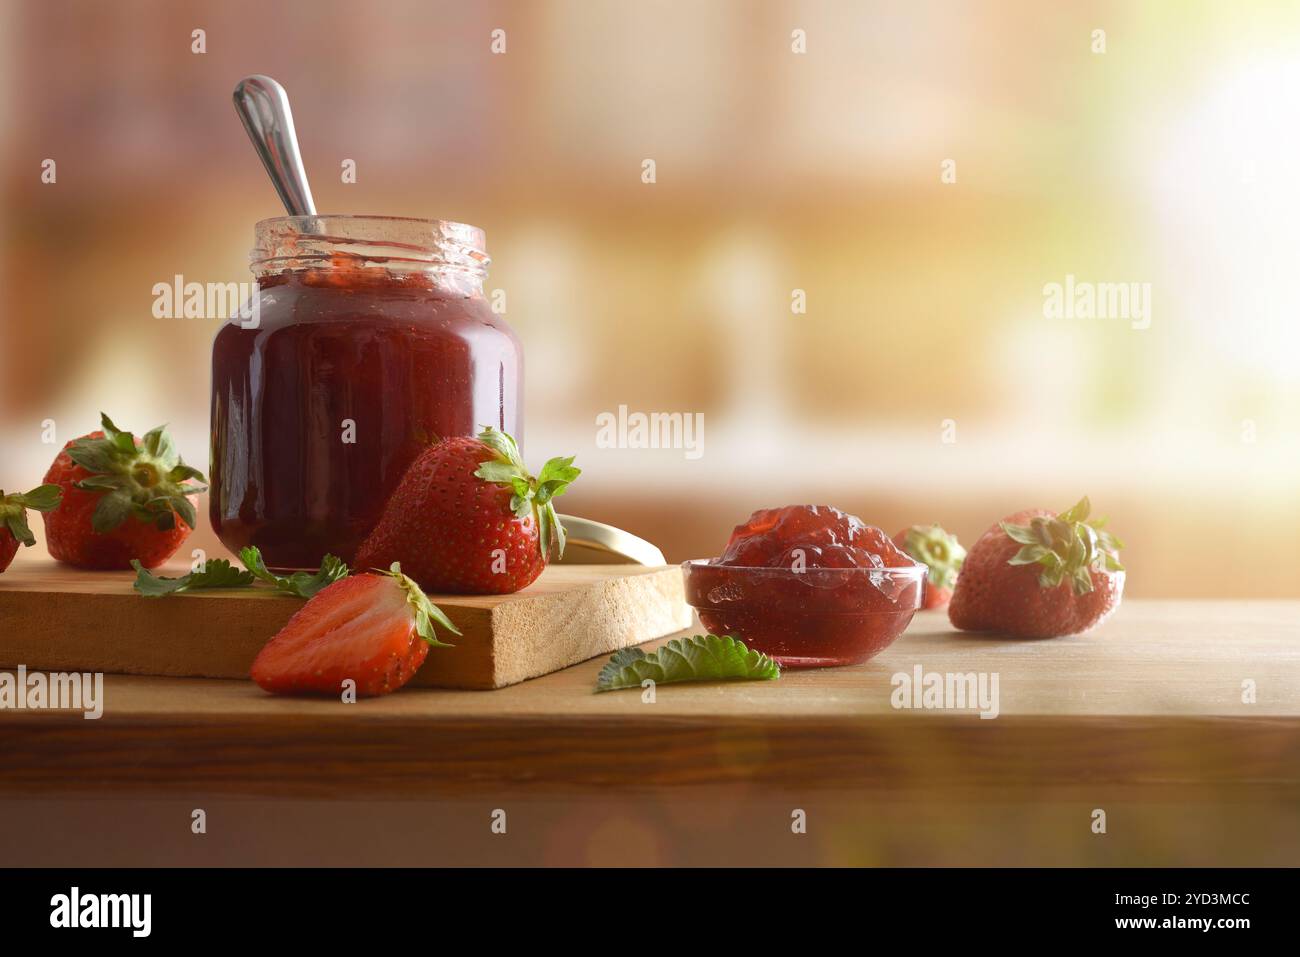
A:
(369, 337)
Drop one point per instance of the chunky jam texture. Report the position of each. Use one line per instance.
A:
(824, 536)
(318, 411)
(809, 585)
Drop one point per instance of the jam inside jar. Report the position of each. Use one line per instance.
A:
(369, 338)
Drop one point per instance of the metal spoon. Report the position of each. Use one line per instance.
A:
(263, 106)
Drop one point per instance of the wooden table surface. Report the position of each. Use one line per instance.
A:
(1152, 701)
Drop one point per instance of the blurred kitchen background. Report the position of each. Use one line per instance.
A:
(924, 382)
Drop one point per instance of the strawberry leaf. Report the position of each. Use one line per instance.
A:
(182, 472)
(43, 498)
(148, 481)
(426, 612)
(500, 473)
(530, 495)
(558, 472)
(1078, 513)
(110, 512)
(556, 527)
(699, 658)
(1021, 533)
(13, 510)
(938, 550)
(16, 523)
(1068, 547)
(1029, 555)
(184, 508)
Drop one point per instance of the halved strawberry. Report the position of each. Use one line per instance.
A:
(373, 628)
(13, 518)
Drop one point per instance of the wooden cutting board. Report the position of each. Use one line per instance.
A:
(56, 618)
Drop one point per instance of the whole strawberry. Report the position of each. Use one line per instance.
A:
(1037, 574)
(941, 553)
(13, 518)
(123, 498)
(468, 518)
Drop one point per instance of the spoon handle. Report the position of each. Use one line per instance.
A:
(263, 106)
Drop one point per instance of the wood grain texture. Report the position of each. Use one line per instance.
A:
(1150, 703)
(54, 618)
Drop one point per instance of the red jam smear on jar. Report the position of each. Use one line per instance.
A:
(809, 585)
(350, 372)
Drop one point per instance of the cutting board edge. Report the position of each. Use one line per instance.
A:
(236, 626)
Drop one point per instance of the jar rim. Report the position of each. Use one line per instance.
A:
(379, 217)
(401, 242)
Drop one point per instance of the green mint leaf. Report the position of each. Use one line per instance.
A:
(301, 584)
(251, 556)
(217, 573)
(307, 584)
(698, 658)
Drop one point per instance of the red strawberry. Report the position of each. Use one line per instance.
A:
(932, 546)
(13, 518)
(1037, 574)
(467, 518)
(123, 498)
(373, 628)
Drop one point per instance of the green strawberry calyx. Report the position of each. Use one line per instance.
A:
(532, 495)
(1067, 546)
(148, 481)
(937, 549)
(426, 612)
(13, 509)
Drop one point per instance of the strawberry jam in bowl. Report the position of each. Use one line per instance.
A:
(808, 585)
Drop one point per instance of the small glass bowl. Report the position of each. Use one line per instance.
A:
(813, 618)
